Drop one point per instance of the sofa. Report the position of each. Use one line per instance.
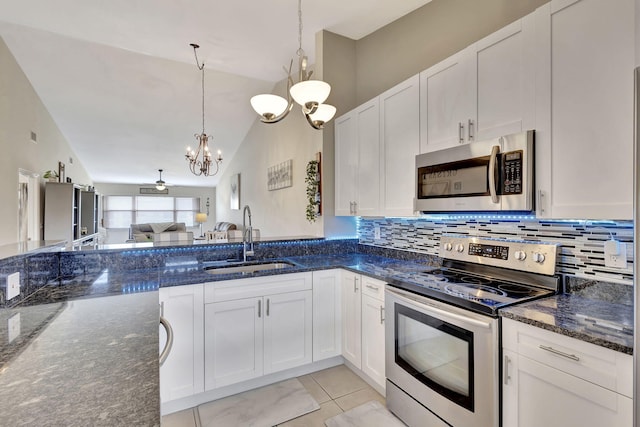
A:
(160, 231)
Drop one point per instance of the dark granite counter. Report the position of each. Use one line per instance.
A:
(603, 323)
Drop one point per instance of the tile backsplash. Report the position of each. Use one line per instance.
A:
(581, 242)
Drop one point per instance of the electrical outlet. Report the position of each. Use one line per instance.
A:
(13, 325)
(13, 285)
(615, 254)
(376, 232)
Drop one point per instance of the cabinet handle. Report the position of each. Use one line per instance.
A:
(167, 347)
(259, 308)
(355, 284)
(460, 133)
(355, 208)
(267, 306)
(381, 315)
(505, 373)
(541, 201)
(375, 288)
(470, 130)
(560, 353)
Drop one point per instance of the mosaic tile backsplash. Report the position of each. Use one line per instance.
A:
(581, 242)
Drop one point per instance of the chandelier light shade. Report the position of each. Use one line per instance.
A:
(200, 159)
(269, 106)
(160, 183)
(310, 94)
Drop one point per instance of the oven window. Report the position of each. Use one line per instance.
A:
(435, 352)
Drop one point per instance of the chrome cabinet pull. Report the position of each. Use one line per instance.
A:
(505, 373)
(560, 353)
(460, 133)
(167, 347)
(267, 306)
(355, 284)
(492, 173)
(381, 315)
(259, 308)
(541, 201)
(375, 288)
(470, 130)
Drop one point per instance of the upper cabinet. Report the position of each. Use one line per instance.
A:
(376, 145)
(584, 139)
(484, 91)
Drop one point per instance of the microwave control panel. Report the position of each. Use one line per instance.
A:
(512, 172)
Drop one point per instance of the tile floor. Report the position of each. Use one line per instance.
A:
(336, 389)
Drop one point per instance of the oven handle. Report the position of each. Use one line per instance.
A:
(429, 307)
(492, 173)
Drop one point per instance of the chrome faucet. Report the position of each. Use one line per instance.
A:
(247, 234)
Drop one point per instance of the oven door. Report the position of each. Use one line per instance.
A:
(444, 357)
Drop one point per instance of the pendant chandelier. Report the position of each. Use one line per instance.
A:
(200, 160)
(160, 183)
(310, 94)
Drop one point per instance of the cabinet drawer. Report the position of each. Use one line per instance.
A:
(607, 368)
(373, 287)
(228, 290)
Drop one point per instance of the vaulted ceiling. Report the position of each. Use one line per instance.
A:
(120, 79)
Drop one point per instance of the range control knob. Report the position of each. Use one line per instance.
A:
(538, 257)
(520, 255)
(447, 247)
(460, 247)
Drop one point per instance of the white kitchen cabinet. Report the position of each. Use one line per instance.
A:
(363, 325)
(557, 381)
(288, 323)
(399, 145)
(373, 352)
(584, 138)
(182, 373)
(327, 314)
(256, 326)
(376, 145)
(357, 142)
(351, 318)
(484, 91)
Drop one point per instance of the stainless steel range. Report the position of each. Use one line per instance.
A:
(442, 333)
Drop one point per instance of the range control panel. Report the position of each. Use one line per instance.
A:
(535, 257)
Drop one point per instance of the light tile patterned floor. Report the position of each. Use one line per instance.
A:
(336, 389)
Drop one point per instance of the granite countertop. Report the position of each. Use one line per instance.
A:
(603, 323)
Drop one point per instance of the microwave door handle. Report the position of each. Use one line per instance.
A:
(492, 173)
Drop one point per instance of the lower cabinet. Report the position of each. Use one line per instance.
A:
(552, 380)
(327, 314)
(363, 324)
(254, 327)
(182, 373)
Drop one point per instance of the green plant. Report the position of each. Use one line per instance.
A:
(313, 190)
(50, 174)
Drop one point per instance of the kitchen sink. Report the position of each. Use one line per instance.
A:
(248, 268)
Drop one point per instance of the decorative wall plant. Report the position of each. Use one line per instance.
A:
(314, 189)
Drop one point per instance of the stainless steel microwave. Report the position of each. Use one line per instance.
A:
(492, 175)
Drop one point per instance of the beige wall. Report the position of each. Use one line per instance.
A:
(21, 112)
(426, 36)
(279, 212)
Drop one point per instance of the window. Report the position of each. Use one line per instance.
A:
(122, 211)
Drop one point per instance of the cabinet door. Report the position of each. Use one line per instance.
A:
(446, 101)
(351, 320)
(327, 314)
(584, 149)
(539, 395)
(233, 341)
(368, 171)
(505, 65)
(287, 331)
(182, 374)
(373, 358)
(346, 163)
(400, 143)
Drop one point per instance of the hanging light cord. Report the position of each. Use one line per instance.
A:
(300, 52)
(201, 68)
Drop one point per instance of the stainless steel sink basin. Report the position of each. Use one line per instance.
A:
(246, 268)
